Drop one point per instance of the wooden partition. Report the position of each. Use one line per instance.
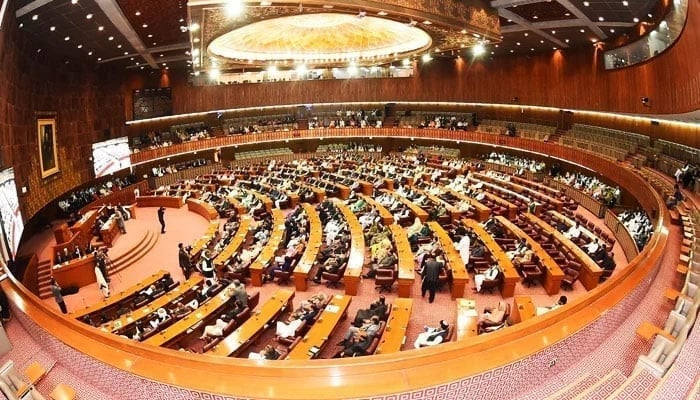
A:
(624, 238)
(385, 373)
(584, 200)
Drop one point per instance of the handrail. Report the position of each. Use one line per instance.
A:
(386, 373)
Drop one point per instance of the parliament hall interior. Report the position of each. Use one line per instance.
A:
(334, 199)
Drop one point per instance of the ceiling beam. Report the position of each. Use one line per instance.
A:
(580, 14)
(513, 3)
(22, 11)
(169, 47)
(527, 24)
(115, 15)
(562, 23)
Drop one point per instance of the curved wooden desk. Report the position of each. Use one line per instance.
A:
(386, 373)
(510, 275)
(307, 260)
(356, 259)
(203, 208)
(460, 276)
(267, 253)
(406, 264)
(77, 273)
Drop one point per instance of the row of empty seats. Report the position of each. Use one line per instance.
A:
(620, 139)
(268, 123)
(669, 340)
(522, 129)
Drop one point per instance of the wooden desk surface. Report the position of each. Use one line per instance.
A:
(160, 201)
(516, 187)
(356, 258)
(144, 311)
(34, 372)
(267, 202)
(510, 275)
(78, 272)
(239, 338)
(117, 297)
(267, 253)
(467, 318)
(569, 222)
(418, 212)
(192, 319)
(484, 180)
(590, 271)
(553, 274)
(315, 240)
(202, 208)
(319, 333)
(523, 309)
(405, 255)
(396, 326)
(384, 214)
(460, 276)
(647, 330)
(539, 186)
(512, 208)
(203, 241)
(236, 242)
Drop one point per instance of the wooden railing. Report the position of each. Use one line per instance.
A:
(624, 238)
(386, 373)
(189, 173)
(585, 200)
(124, 196)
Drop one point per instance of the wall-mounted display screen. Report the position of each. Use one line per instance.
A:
(111, 156)
(12, 224)
(151, 103)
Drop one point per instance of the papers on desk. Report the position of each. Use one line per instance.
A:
(314, 350)
(332, 308)
(470, 313)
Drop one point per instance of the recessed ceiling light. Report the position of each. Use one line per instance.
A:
(67, 38)
(196, 40)
(635, 19)
(586, 4)
(161, 55)
(182, 20)
(164, 64)
(119, 46)
(154, 43)
(137, 13)
(582, 30)
(21, 24)
(554, 48)
(532, 49)
(612, 30)
(100, 28)
(99, 58)
(150, 35)
(132, 59)
(554, 32)
(167, 67)
(517, 43)
(541, 41)
(194, 26)
(35, 17)
(89, 53)
(426, 22)
(625, 3)
(38, 50)
(512, 51)
(53, 28)
(382, 13)
(144, 25)
(126, 53)
(566, 40)
(142, 67)
(89, 16)
(74, 1)
(535, 17)
(510, 20)
(496, 46)
(80, 46)
(110, 38)
(567, 14)
(327, 6)
(601, 19)
(492, 53)
(526, 34)
(594, 40)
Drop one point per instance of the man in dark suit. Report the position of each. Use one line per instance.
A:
(161, 219)
(430, 275)
(184, 260)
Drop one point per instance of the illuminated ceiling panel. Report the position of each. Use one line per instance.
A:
(324, 38)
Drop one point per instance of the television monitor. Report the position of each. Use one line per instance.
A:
(12, 224)
(110, 156)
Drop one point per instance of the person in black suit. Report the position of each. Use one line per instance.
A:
(184, 261)
(430, 275)
(161, 219)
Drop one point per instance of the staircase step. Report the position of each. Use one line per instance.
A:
(604, 387)
(571, 390)
(119, 264)
(638, 386)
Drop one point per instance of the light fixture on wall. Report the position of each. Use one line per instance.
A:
(646, 102)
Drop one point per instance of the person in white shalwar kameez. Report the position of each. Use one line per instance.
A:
(102, 282)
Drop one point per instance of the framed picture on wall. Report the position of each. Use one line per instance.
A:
(48, 154)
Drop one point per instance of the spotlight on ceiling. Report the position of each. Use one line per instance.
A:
(478, 50)
(214, 74)
(426, 58)
(194, 26)
(301, 69)
(234, 8)
(406, 62)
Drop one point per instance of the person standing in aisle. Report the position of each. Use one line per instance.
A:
(161, 219)
(56, 290)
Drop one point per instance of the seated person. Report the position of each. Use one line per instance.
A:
(490, 274)
(235, 308)
(432, 336)
(307, 313)
(493, 316)
(519, 249)
(268, 353)
(181, 310)
(595, 250)
(387, 262)
(561, 302)
(214, 331)
(161, 317)
(358, 343)
(526, 257)
(331, 265)
(370, 327)
(284, 266)
(378, 308)
(574, 232)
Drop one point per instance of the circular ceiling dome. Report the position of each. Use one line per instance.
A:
(321, 38)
